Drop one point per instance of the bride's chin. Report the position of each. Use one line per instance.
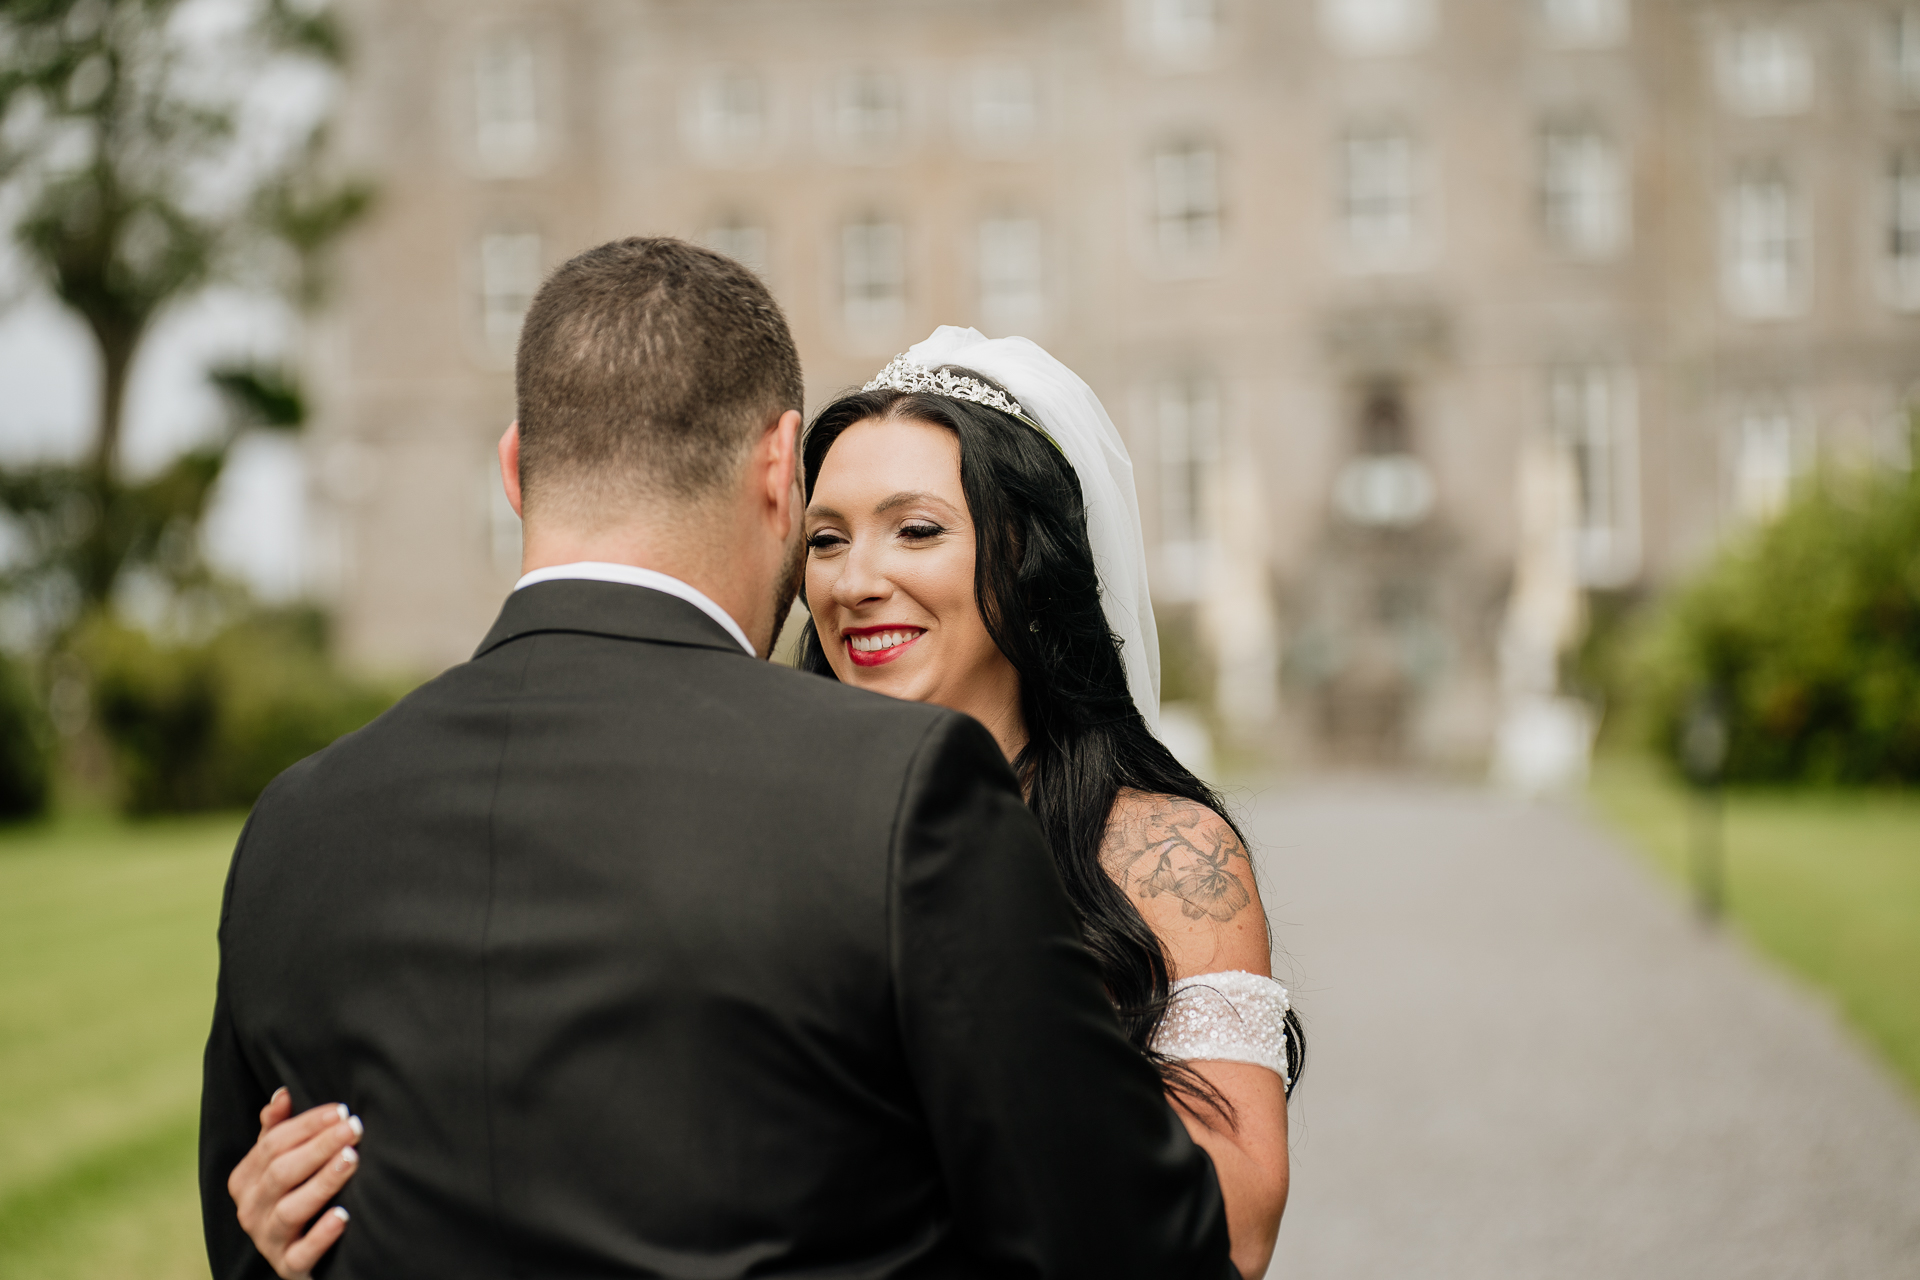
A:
(889, 679)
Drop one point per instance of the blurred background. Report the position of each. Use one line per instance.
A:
(1521, 393)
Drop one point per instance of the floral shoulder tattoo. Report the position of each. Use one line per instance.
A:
(1180, 848)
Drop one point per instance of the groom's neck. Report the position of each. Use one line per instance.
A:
(704, 553)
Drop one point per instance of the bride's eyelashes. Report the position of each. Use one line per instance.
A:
(827, 541)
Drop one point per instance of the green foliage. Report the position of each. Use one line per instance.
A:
(1807, 632)
(121, 221)
(23, 746)
(208, 726)
(79, 538)
(306, 212)
(131, 184)
(262, 396)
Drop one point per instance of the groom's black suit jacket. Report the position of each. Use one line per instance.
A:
(639, 957)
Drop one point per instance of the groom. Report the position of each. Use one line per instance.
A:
(639, 956)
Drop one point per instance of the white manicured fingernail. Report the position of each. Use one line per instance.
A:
(359, 1130)
(349, 1156)
(342, 1107)
(340, 1213)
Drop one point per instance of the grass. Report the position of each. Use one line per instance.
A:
(1826, 882)
(106, 986)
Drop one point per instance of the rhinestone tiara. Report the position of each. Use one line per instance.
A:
(904, 375)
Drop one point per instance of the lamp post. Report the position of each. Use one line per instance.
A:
(1703, 754)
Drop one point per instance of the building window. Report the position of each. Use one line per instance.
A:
(1003, 106)
(1378, 192)
(867, 109)
(1011, 287)
(1765, 462)
(873, 266)
(1762, 271)
(1582, 191)
(1376, 26)
(1176, 28)
(1765, 69)
(509, 277)
(1584, 24)
(1591, 414)
(1903, 52)
(1903, 229)
(506, 102)
(1186, 200)
(740, 240)
(730, 114)
(1187, 421)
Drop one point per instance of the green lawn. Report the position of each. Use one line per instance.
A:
(106, 988)
(1826, 882)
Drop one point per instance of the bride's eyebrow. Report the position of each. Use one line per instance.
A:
(909, 498)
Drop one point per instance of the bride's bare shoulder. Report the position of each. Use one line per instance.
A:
(1189, 876)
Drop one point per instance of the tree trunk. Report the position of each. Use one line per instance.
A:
(116, 362)
(100, 554)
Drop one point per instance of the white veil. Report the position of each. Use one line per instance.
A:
(1055, 397)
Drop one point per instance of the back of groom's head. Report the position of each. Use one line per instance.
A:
(647, 369)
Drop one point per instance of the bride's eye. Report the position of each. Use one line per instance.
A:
(824, 541)
(920, 531)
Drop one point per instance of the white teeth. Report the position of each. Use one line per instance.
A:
(879, 640)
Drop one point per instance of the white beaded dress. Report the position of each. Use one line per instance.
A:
(1234, 1016)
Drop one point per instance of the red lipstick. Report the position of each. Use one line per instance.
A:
(896, 640)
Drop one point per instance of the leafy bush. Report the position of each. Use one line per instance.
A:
(209, 726)
(1806, 632)
(23, 746)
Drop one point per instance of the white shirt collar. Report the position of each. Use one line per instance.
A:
(634, 576)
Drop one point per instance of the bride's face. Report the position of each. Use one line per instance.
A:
(890, 549)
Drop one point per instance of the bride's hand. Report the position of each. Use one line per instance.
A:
(295, 1167)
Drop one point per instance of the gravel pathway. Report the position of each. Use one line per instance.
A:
(1528, 1061)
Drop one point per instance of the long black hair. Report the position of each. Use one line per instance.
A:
(1039, 595)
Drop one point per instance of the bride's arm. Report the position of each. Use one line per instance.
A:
(1183, 868)
(1249, 1156)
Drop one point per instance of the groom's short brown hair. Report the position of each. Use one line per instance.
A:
(648, 367)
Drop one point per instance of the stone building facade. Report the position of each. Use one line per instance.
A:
(1339, 269)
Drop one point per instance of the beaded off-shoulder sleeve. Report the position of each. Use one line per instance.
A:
(1234, 1016)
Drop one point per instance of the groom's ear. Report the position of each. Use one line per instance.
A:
(510, 466)
(776, 461)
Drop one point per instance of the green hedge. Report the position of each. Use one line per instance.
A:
(24, 746)
(208, 726)
(1806, 631)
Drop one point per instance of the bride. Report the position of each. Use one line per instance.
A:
(973, 541)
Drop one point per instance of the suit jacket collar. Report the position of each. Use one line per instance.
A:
(612, 609)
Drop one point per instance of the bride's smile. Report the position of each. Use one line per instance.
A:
(873, 646)
(890, 575)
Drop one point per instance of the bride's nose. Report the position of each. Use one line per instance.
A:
(861, 580)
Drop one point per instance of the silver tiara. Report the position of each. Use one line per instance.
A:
(904, 375)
